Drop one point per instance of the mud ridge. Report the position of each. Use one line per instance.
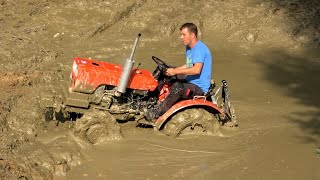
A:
(126, 12)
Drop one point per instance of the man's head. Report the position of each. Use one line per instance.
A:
(189, 34)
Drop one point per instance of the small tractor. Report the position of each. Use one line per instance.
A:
(125, 93)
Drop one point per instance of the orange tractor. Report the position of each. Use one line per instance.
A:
(126, 93)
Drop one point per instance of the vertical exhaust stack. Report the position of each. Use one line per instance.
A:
(126, 71)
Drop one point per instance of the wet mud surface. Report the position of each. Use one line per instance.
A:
(267, 50)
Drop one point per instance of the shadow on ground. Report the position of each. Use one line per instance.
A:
(298, 76)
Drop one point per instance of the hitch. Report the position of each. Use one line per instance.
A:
(226, 104)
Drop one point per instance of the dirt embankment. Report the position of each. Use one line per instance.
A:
(39, 37)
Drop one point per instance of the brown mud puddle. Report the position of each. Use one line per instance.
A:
(264, 49)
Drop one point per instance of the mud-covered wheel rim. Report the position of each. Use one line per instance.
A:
(192, 121)
(97, 126)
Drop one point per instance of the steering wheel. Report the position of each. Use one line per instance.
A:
(161, 68)
(161, 64)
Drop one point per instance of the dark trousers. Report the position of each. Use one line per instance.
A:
(179, 90)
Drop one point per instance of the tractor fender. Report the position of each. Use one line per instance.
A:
(187, 104)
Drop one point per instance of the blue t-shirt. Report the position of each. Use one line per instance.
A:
(200, 53)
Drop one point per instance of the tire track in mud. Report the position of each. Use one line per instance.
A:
(120, 15)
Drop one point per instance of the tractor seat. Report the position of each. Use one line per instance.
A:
(207, 96)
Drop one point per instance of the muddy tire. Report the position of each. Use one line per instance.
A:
(97, 126)
(192, 121)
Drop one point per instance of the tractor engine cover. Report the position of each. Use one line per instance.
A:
(87, 75)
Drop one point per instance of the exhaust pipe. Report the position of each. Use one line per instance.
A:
(126, 71)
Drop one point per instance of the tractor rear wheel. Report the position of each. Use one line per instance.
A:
(192, 121)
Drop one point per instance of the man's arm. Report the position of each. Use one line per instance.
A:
(182, 67)
(194, 70)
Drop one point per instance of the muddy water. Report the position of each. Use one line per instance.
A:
(267, 144)
(272, 81)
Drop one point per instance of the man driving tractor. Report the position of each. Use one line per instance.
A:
(196, 72)
(164, 98)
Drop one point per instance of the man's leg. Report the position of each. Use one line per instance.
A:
(176, 92)
(179, 90)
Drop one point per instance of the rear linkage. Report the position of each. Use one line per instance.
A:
(225, 104)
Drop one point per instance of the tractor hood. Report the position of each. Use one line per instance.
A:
(87, 75)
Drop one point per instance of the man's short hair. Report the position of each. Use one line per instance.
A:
(191, 28)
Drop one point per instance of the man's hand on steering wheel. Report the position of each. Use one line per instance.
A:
(170, 72)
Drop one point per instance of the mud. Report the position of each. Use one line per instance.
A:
(56, 157)
(267, 50)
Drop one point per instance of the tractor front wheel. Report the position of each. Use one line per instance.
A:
(97, 126)
(192, 121)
